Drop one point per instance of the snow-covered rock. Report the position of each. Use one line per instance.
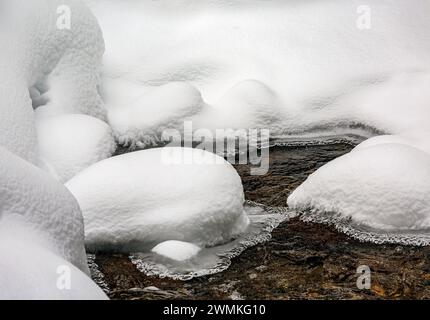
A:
(17, 129)
(383, 187)
(134, 201)
(417, 139)
(29, 195)
(63, 62)
(176, 250)
(56, 70)
(72, 142)
(141, 121)
(29, 271)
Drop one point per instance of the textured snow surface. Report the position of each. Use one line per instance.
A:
(141, 121)
(417, 139)
(28, 271)
(290, 66)
(30, 195)
(248, 104)
(176, 250)
(50, 71)
(72, 142)
(137, 200)
(55, 70)
(383, 187)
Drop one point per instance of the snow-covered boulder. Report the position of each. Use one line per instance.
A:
(63, 51)
(47, 67)
(72, 142)
(29, 195)
(17, 129)
(383, 187)
(417, 139)
(176, 250)
(141, 122)
(134, 201)
(29, 271)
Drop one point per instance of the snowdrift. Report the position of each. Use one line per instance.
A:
(72, 142)
(287, 66)
(135, 201)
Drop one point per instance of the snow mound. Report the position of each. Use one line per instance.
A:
(29, 195)
(66, 62)
(211, 260)
(134, 201)
(141, 122)
(396, 103)
(28, 271)
(416, 139)
(72, 142)
(249, 104)
(17, 129)
(383, 187)
(176, 250)
(44, 67)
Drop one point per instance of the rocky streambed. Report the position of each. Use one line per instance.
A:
(300, 261)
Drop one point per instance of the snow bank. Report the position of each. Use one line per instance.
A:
(137, 200)
(249, 104)
(28, 195)
(141, 121)
(72, 142)
(176, 250)
(28, 271)
(325, 69)
(382, 187)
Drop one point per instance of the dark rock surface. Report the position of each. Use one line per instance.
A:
(301, 261)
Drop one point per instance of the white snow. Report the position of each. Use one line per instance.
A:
(417, 139)
(58, 69)
(382, 187)
(28, 271)
(176, 250)
(29, 195)
(37, 58)
(54, 71)
(293, 66)
(72, 142)
(137, 200)
(17, 130)
(249, 104)
(141, 120)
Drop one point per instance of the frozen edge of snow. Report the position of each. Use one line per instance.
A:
(275, 216)
(362, 233)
